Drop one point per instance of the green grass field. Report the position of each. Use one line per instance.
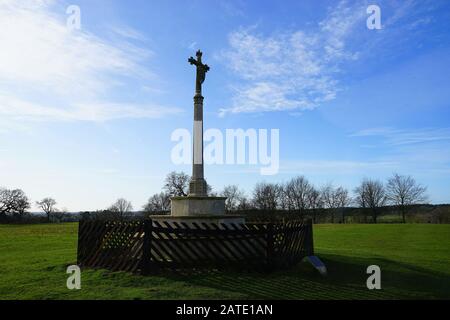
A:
(414, 259)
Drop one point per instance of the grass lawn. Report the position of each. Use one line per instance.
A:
(414, 260)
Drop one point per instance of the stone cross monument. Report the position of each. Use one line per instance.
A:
(198, 186)
(198, 206)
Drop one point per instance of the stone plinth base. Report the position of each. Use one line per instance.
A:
(199, 210)
(198, 206)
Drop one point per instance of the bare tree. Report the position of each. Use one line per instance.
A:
(244, 203)
(297, 191)
(285, 200)
(5, 201)
(13, 201)
(177, 184)
(335, 199)
(329, 199)
(22, 204)
(159, 202)
(234, 196)
(328, 196)
(371, 194)
(47, 205)
(343, 200)
(403, 191)
(360, 199)
(314, 202)
(121, 208)
(266, 196)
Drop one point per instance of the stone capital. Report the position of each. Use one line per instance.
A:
(198, 99)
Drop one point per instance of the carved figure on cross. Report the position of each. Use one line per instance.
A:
(202, 69)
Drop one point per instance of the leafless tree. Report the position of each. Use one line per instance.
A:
(5, 201)
(297, 191)
(177, 184)
(343, 200)
(21, 202)
(371, 194)
(335, 199)
(360, 199)
(234, 196)
(266, 196)
(403, 191)
(47, 205)
(121, 208)
(329, 199)
(13, 201)
(159, 202)
(285, 203)
(314, 202)
(244, 203)
(328, 196)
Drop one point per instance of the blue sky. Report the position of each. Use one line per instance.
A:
(86, 115)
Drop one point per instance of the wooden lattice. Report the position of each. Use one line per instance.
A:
(142, 246)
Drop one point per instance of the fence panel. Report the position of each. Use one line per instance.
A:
(115, 245)
(142, 246)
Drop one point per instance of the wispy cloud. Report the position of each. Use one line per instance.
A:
(421, 151)
(327, 167)
(398, 137)
(49, 72)
(290, 70)
(128, 32)
(302, 69)
(92, 111)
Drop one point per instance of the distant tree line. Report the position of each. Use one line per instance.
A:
(301, 197)
(297, 197)
(15, 206)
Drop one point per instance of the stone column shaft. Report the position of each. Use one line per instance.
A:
(197, 186)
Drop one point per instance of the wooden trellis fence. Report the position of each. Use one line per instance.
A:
(143, 246)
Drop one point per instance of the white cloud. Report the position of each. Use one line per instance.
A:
(38, 49)
(327, 167)
(421, 151)
(94, 111)
(52, 73)
(128, 32)
(290, 70)
(398, 137)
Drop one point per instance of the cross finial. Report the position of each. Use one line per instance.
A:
(202, 69)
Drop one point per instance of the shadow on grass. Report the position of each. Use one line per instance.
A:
(346, 280)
